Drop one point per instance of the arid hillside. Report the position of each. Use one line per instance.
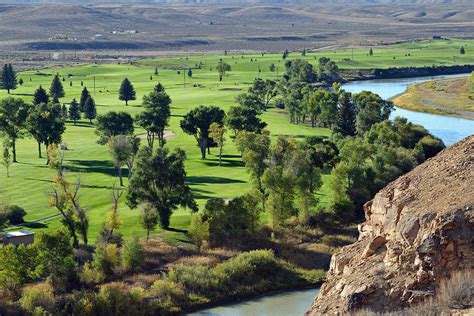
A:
(212, 25)
(418, 231)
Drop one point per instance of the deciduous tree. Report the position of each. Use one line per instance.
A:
(45, 123)
(113, 124)
(159, 179)
(155, 117)
(217, 133)
(197, 122)
(222, 68)
(13, 119)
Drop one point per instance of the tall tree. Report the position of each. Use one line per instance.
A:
(123, 150)
(255, 149)
(159, 179)
(222, 68)
(113, 124)
(84, 96)
(40, 96)
(6, 158)
(74, 112)
(8, 78)
(155, 117)
(127, 92)
(242, 118)
(13, 116)
(56, 90)
(197, 122)
(346, 116)
(46, 125)
(90, 112)
(216, 132)
(371, 109)
(64, 197)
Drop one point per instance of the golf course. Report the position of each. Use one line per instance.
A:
(31, 180)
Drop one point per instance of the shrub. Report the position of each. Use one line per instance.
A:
(132, 255)
(231, 223)
(38, 296)
(14, 214)
(199, 231)
(106, 260)
(167, 296)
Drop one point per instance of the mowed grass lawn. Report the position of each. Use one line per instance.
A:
(31, 179)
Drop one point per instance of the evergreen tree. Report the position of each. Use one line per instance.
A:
(190, 73)
(56, 90)
(8, 78)
(156, 71)
(126, 92)
(90, 112)
(346, 116)
(462, 51)
(285, 54)
(40, 96)
(21, 82)
(159, 88)
(371, 52)
(84, 96)
(74, 113)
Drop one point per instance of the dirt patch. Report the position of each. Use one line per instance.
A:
(168, 134)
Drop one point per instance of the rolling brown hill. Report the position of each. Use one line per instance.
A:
(217, 25)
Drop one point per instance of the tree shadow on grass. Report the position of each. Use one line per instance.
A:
(201, 194)
(82, 124)
(211, 180)
(99, 166)
(225, 163)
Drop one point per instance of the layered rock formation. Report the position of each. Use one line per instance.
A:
(418, 230)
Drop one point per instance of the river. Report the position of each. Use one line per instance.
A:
(449, 129)
(293, 303)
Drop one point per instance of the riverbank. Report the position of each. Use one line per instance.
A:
(403, 72)
(450, 96)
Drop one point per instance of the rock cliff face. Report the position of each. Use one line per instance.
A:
(418, 230)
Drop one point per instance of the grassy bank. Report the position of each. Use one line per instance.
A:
(453, 96)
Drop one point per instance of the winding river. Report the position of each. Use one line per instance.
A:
(293, 303)
(449, 129)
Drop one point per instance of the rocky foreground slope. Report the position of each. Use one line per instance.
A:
(418, 230)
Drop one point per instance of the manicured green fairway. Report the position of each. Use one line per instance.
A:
(31, 180)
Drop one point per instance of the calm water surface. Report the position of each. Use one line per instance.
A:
(294, 303)
(449, 129)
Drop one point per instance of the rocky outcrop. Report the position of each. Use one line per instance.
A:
(418, 230)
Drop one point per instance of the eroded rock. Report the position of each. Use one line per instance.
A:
(418, 230)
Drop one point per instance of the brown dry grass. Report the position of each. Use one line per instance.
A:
(454, 96)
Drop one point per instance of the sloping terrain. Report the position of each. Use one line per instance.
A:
(418, 231)
(218, 25)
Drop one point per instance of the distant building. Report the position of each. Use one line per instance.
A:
(22, 237)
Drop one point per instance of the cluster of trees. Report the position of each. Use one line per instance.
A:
(368, 162)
